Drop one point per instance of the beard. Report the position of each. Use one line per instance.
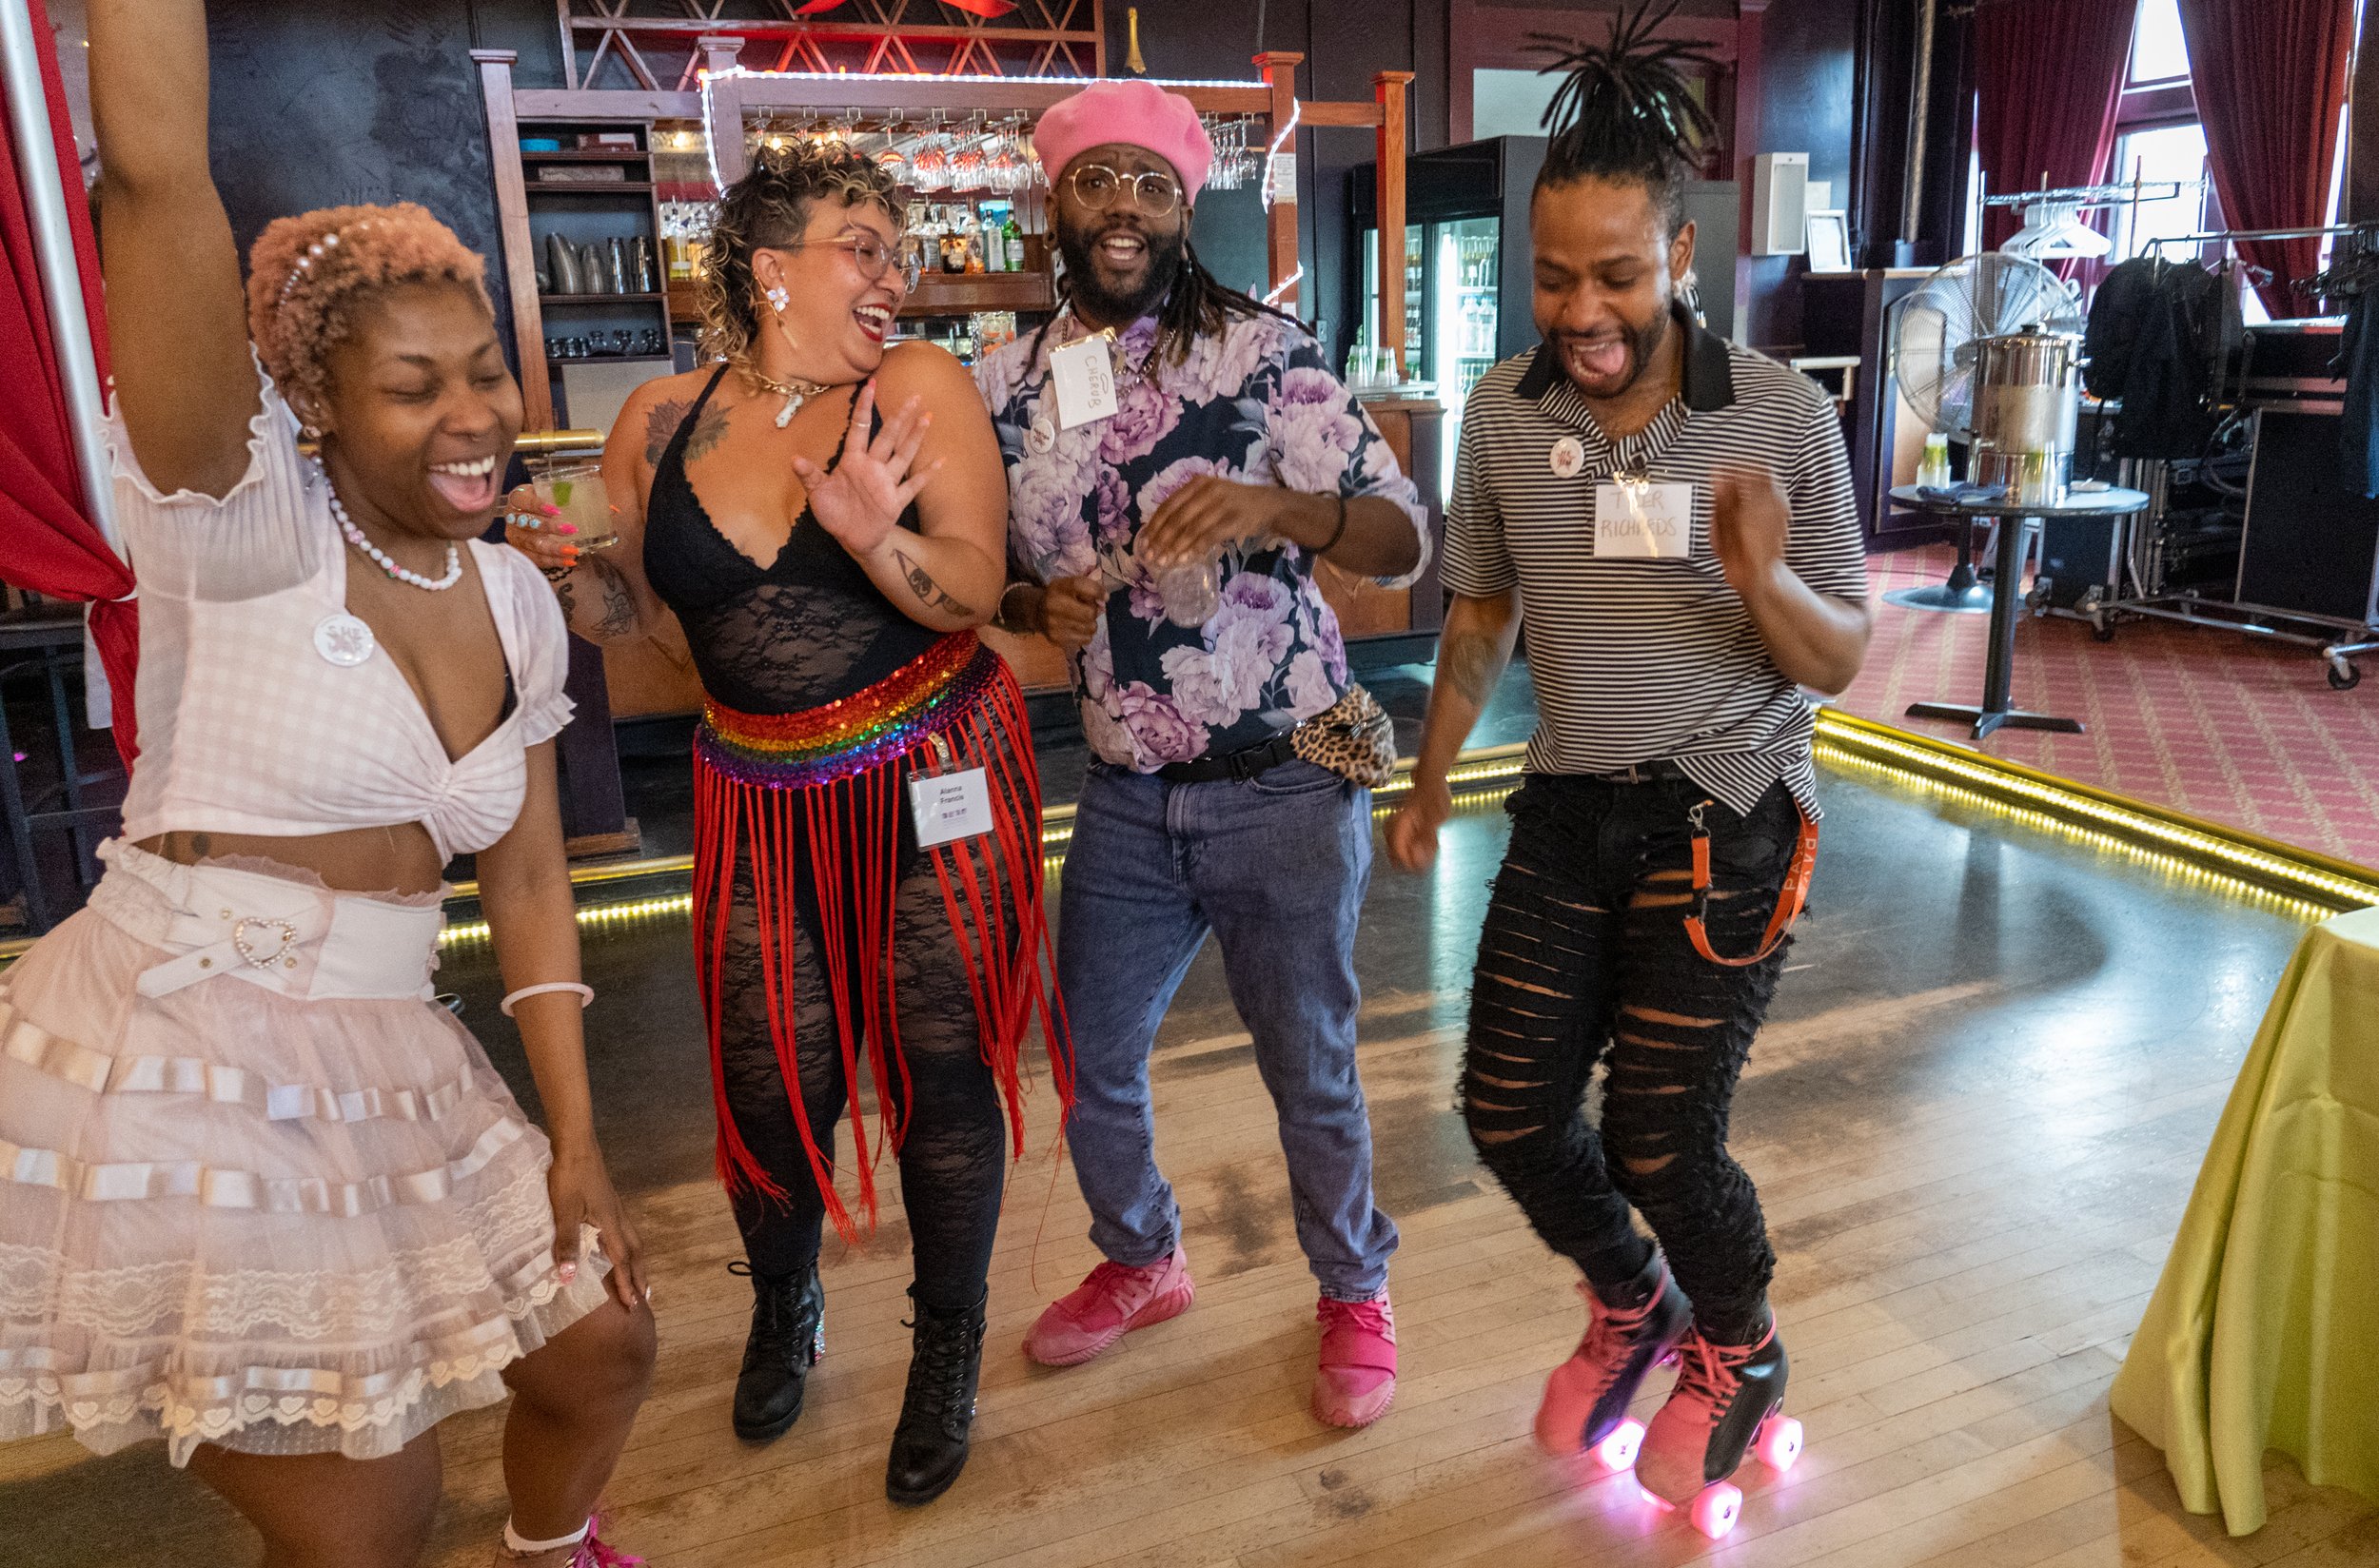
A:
(1167, 255)
(1642, 343)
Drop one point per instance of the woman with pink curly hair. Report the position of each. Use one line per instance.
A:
(268, 1201)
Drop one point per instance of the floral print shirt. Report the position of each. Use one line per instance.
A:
(1257, 404)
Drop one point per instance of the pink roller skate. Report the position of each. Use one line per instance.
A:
(1586, 1398)
(1728, 1398)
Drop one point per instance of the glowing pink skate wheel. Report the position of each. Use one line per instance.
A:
(1778, 1443)
(1717, 1509)
(1618, 1450)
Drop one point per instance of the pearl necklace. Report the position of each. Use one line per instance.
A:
(794, 393)
(379, 556)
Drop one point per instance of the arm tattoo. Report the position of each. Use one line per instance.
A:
(616, 618)
(1471, 665)
(931, 594)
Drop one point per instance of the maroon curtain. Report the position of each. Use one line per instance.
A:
(2271, 80)
(2050, 75)
(47, 543)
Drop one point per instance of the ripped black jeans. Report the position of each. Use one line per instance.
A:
(1584, 960)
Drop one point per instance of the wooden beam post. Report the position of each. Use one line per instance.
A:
(1280, 74)
(1390, 85)
(725, 125)
(520, 246)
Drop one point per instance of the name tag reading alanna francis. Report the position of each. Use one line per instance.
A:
(1636, 518)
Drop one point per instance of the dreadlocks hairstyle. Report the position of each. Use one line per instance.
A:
(1626, 111)
(770, 208)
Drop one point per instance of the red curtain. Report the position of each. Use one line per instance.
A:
(47, 543)
(2271, 80)
(2051, 74)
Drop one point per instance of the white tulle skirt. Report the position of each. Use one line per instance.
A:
(234, 1215)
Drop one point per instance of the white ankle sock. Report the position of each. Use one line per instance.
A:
(514, 1542)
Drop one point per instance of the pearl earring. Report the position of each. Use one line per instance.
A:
(778, 299)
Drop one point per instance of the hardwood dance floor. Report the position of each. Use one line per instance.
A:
(1975, 1120)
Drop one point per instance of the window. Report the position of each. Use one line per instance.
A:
(2159, 54)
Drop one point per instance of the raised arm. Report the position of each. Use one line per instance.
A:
(176, 322)
(941, 449)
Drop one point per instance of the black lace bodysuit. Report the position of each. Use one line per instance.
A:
(808, 629)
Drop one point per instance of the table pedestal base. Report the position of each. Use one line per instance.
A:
(1985, 722)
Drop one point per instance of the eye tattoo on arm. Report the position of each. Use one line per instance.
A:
(931, 594)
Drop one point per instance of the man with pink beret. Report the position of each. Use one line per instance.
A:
(1179, 457)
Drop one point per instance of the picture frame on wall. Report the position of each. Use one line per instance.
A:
(1829, 242)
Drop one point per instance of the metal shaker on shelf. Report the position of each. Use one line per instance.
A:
(2027, 408)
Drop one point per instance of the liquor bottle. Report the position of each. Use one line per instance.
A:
(994, 247)
(1012, 241)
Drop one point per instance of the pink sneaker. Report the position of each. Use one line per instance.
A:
(593, 1553)
(1109, 1304)
(1356, 1380)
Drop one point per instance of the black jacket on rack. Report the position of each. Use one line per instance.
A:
(2156, 341)
(2358, 432)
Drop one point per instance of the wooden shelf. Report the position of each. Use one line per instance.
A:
(590, 187)
(598, 299)
(963, 293)
(609, 359)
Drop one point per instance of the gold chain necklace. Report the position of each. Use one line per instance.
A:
(794, 393)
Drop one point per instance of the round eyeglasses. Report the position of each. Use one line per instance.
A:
(1096, 186)
(874, 258)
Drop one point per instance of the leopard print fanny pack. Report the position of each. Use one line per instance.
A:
(1353, 738)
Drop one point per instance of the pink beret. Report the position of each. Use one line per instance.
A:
(1137, 114)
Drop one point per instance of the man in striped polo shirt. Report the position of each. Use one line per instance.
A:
(1670, 520)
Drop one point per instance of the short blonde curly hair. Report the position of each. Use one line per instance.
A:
(770, 209)
(308, 273)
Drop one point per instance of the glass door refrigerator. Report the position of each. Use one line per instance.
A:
(1467, 282)
(1465, 266)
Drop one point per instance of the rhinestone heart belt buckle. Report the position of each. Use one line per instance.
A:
(282, 955)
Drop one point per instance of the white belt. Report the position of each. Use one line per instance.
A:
(284, 936)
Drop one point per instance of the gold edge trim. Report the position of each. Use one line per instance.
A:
(2214, 846)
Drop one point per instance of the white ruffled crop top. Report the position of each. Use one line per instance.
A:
(265, 707)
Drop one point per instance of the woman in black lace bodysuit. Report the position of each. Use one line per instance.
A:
(828, 564)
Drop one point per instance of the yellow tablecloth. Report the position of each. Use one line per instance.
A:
(2264, 1331)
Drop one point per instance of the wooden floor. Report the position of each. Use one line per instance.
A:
(1972, 1131)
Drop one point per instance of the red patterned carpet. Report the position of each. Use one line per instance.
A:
(2244, 732)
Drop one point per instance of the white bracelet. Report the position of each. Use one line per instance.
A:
(586, 993)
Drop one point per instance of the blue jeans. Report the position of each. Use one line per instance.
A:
(1277, 867)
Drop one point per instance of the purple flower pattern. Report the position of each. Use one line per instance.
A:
(1256, 404)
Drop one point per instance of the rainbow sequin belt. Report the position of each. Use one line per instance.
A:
(865, 729)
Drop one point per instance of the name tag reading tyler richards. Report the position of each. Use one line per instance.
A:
(1635, 519)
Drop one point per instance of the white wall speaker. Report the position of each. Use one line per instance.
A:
(1779, 204)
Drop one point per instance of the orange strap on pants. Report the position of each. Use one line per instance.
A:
(1790, 901)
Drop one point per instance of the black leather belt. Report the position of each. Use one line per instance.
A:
(1641, 772)
(1240, 765)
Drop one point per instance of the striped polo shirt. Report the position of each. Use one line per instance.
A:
(1640, 660)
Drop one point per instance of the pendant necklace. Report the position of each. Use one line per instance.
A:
(378, 557)
(794, 393)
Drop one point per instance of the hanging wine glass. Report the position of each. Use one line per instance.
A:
(896, 168)
(929, 166)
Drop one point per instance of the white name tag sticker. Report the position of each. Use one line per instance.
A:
(1084, 380)
(1644, 521)
(948, 806)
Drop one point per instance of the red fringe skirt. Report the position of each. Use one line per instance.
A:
(831, 780)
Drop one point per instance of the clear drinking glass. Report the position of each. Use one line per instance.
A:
(1191, 592)
(574, 488)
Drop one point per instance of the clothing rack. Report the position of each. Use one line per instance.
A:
(2231, 235)
(2129, 193)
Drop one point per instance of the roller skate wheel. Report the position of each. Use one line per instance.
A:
(1618, 1450)
(1717, 1509)
(1778, 1442)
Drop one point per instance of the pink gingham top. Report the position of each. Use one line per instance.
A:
(264, 708)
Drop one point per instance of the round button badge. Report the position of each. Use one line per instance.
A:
(1569, 457)
(1041, 436)
(343, 639)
